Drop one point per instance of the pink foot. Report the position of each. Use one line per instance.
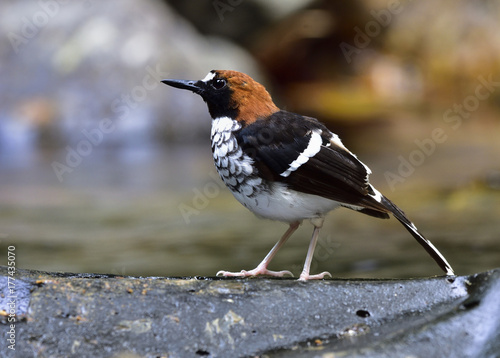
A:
(306, 276)
(255, 272)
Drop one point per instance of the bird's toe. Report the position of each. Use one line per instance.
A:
(320, 276)
(255, 272)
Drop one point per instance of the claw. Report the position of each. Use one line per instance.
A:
(255, 272)
(306, 276)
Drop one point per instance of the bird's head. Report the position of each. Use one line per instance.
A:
(230, 94)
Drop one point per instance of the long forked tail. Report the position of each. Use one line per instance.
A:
(428, 246)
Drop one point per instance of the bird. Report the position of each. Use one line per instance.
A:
(285, 166)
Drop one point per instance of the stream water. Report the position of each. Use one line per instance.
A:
(161, 210)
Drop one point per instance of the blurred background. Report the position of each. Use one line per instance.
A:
(104, 169)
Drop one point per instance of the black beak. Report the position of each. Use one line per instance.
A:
(194, 86)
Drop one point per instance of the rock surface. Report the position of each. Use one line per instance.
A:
(87, 315)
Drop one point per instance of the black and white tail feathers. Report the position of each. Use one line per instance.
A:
(427, 245)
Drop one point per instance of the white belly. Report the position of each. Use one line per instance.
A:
(281, 204)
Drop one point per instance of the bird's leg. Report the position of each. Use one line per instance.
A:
(261, 269)
(304, 276)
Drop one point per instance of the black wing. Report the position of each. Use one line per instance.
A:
(332, 172)
(280, 145)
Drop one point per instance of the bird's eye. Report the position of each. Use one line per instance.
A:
(218, 83)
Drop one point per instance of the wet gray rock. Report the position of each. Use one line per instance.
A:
(86, 315)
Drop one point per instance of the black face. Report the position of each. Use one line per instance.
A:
(215, 92)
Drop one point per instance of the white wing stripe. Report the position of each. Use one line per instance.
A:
(378, 196)
(312, 149)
